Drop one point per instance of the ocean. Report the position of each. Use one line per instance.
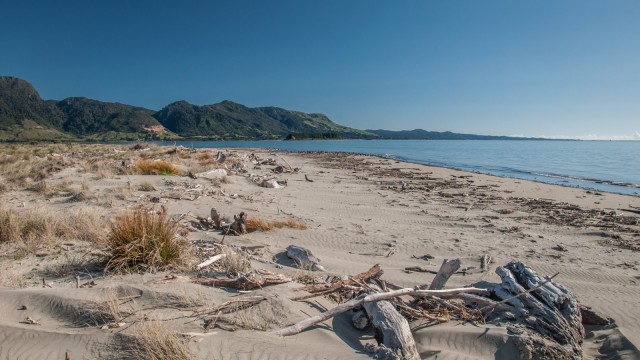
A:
(610, 166)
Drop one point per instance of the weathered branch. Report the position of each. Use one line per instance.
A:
(211, 260)
(446, 270)
(252, 280)
(302, 325)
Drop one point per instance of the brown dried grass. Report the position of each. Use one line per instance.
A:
(261, 224)
(156, 341)
(144, 240)
(154, 167)
(46, 226)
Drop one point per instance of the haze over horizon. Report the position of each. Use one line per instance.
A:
(546, 69)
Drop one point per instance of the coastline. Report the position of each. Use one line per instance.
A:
(357, 208)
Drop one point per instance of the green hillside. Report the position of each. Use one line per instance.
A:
(229, 120)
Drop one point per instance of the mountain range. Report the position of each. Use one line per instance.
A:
(25, 116)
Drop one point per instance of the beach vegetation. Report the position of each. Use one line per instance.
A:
(157, 341)
(40, 227)
(261, 224)
(154, 167)
(143, 239)
(146, 186)
(235, 262)
(267, 315)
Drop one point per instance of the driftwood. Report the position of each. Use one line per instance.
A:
(304, 258)
(547, 310)
(252, 280)
(215, 217)
(590, 317)
(220, 157)
(485, 260)
(391, 329)
(446, 270)
(360, 300)
(360, 320)
(231, 306)
(238, 226)
(211, 260)
(307, 178)
(325, 289)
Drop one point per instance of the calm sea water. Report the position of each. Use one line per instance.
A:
(612, 166)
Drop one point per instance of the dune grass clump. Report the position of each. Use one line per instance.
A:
(260, 224)
(155, 167)
(37, 228)
(144, 240)
(153, 340)
(146, 186)
(235, 263)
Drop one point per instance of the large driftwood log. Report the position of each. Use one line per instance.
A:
(545, 307)
(254, 279)
(304, 258)
(358, 301)
(391, 329)
(447, 269)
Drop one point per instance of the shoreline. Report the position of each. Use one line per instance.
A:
(359, 210)
(393, 157)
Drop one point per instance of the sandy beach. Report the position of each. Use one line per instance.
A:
(358, 211)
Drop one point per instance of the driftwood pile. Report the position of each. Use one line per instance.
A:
(543, 316)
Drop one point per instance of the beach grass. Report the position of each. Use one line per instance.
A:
(157, 341)
(154, 167)
(261, 224)
(144, 240)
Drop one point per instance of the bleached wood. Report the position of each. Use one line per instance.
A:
(392, 329)
(353, 303)
(211, 260)
(448, 268)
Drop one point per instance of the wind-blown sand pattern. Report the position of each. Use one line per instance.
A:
(359, 211)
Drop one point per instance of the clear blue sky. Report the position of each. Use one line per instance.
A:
(548, 67)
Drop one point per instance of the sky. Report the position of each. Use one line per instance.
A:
(551, 68)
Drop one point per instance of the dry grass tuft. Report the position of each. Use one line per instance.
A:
(235, 262)
(36, 228)
(154, 167)
(9, 278)
(267, 315)
(260, 224)
(70, 264)
(144, 240)
(146, 186)
(307, 277)
(153, 340)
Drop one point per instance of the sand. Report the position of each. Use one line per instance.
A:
(358, 209)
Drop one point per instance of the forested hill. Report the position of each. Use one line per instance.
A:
(24, 116)
(230, 120)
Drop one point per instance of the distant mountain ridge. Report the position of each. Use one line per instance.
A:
(419, 134)
(25, 116)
